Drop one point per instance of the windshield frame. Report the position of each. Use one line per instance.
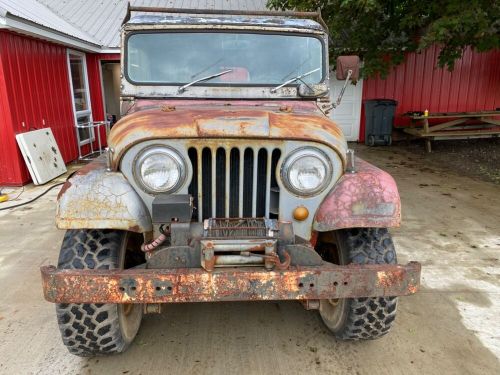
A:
(324, 56)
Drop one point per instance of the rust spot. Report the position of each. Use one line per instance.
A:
(314, 238)
(210, 263)
(65, 187)
(168, 108)
(389, 278)
(229, 284)
(219, 121)
(286, 108)
(412, 289)
(135, 228)
(98, 163)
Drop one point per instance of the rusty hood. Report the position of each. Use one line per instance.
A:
(225, 123)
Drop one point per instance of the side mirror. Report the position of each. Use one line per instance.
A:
(347, 69)
(346, 63)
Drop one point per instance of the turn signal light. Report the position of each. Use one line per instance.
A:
(300, 213)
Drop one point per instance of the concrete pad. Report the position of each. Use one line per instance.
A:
(451, 224)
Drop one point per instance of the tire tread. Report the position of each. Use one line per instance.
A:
(369, 318)
(90, 329)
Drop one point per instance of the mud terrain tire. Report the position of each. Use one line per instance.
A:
(361, 318)
(96, 329)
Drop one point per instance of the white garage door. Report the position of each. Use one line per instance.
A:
(348, 114)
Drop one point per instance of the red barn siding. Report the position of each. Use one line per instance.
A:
(417, 84)
(34, 90)
(95, 87)
(7, 168)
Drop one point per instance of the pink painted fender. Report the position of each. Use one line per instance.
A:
(367, 198)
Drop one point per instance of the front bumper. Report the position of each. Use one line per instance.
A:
(327, 281)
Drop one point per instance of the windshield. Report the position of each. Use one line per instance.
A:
(174, 58)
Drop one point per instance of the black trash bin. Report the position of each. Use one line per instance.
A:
(379, 115)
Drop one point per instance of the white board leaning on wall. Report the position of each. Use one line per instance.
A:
(41, 155)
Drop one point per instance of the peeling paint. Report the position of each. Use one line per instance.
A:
(231, 284)
(96, 198)
(198, 121)
(367, 198)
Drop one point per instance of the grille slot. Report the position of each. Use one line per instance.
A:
(234, 182)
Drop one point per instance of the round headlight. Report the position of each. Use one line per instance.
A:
(159, 169)
(307, 171)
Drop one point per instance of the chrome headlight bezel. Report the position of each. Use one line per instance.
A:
(175, 156)
(296, 155)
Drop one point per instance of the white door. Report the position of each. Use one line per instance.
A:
(348, 114)
(79, 86)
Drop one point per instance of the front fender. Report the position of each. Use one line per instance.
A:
(95, 198)
(367, 198)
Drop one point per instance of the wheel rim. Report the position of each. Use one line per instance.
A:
(129, 314)
(332, 311)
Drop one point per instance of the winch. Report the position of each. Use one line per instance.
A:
(230, 242)
(223, 242)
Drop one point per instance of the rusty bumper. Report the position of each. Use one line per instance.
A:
(234, 284)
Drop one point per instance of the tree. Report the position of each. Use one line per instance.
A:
(382, 31)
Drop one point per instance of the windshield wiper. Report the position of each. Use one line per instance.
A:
(298, 78)
(206, 68)
(296, 68)
(183, 88)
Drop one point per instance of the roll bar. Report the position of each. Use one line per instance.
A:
(226, 12)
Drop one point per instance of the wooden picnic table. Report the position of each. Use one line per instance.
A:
(484, 124)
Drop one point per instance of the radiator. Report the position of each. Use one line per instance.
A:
(234, 182)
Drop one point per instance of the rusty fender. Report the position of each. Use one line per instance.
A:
(367, 198)
(231, 284)
(95, 198)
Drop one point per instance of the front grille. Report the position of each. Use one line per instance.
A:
(234, 182)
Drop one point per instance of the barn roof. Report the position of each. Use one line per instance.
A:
(34, 13)
(102, 19)
(99, 21)
(95, 24)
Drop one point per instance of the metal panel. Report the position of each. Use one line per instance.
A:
(41, 154)
(368, 198)
(417, 84)
(235, 284)
(96, 198)
(102, 19)
(8, 155)
(33, 11)
(36, 91)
